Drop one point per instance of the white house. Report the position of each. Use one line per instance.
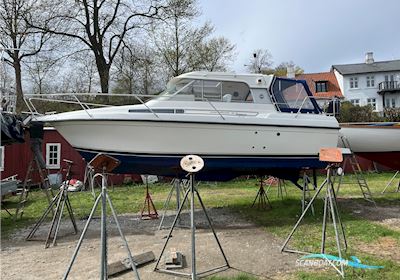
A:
(373, 83)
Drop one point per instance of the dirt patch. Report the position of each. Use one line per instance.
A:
(388, 216)
(393, 223)
(387, 247)
(249, 249)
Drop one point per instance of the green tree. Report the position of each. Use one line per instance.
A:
(281, 69)
(212, 55)
(184, 47)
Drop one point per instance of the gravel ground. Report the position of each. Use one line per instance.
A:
(249, 248)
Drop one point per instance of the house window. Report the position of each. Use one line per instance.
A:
(1, 158)
(53, 155)
(321, 86)
(354, 82)
(372, 102)
(389, 78)
(390, 103)
(370, 81)
(355, 102)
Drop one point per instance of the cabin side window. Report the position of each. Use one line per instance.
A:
(209, 90)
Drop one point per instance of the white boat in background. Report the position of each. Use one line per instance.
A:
(379, 142)
(239, 124)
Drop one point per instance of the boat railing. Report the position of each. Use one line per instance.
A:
(77, 98)
(84, 100)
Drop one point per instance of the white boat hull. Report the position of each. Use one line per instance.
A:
(229, 150)
(175, 138)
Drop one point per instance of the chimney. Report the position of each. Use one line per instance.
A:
(290, 72)
(369, 58)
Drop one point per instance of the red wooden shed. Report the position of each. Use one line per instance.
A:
(15, 158)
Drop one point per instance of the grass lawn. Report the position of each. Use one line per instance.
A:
(238, 196)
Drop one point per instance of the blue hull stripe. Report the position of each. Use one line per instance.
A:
(218, 168)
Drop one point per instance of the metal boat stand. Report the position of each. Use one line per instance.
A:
(60, 201)
(390, 183)
(262, 197)
(179, 187)
(280, 185)
(107, 164)
(192, 164)
(306, 196)
(148, 203)
(88, 179)
(330, 209)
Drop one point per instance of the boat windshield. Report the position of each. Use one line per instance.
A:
(293, 96)
(207, 90)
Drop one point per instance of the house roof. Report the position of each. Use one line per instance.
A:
(329, 77)
(359, 68)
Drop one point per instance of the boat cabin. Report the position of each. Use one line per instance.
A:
(286, 95)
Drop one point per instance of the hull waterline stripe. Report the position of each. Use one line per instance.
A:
(202, 155)
(193, 122)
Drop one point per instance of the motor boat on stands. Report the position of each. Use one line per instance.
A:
(239, 124)
(379, 142)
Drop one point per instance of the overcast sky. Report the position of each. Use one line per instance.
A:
(313, 33)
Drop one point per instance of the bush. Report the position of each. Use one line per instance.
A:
(392, 114)
(351, 113)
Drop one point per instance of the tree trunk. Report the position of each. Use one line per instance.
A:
(177, 54)
(104, 74)
(18, 84)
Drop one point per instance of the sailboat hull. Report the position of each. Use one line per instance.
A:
(379, 142)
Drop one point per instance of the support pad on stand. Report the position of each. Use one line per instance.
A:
(192, 164)
(106, 164)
